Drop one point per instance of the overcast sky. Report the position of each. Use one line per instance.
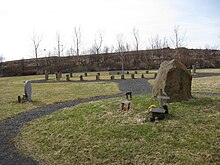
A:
(20, 18)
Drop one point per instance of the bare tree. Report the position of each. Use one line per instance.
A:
(155, 42)
(98, 43)
(136, 39)
(36, 39)
(106, 49)
(128, 47)
(165, 43)
(58, 44)
(120, 48)
(178, 37)
(77, 39)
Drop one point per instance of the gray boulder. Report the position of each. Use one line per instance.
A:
(174, 80)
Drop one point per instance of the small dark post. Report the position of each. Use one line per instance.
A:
(67, 77)
(127, 72)
(112, 77)
(98, 77)
(135, 72)
(98, 74)
(132, 76)
(155, 75)
(85, 74)
(19, 99)
(142, 75)
(147, 71)
(81, 77)
(122, 77)
(71, 74)
(128, 93)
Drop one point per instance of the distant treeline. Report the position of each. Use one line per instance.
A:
(129, 60)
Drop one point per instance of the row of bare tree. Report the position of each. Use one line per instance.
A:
(176, 40)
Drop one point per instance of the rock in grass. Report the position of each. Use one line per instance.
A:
(174, 80)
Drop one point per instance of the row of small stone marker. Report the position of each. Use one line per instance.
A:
(112, 77)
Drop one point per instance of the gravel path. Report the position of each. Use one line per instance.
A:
(9, 128)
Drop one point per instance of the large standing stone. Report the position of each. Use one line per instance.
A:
(27, 90)
(174, 80)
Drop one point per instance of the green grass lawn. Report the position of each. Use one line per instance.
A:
(100, 133)
(47, 93)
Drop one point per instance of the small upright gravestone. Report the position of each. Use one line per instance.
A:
(27, 90)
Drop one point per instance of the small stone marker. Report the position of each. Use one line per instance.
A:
(162, 100)
(46, 75)
(85, 74)
(135, 72)
(142, 75)
(98, 77)
(67, 77)
(122, 77)
(71, 74)
(60, 74)
(19, 99)
(112, 77)
(125, 105)
(81, 77)
(128, 93)
(157, 114)
(57, 76)
(132, 76)
(147, 71)
(27, 90)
